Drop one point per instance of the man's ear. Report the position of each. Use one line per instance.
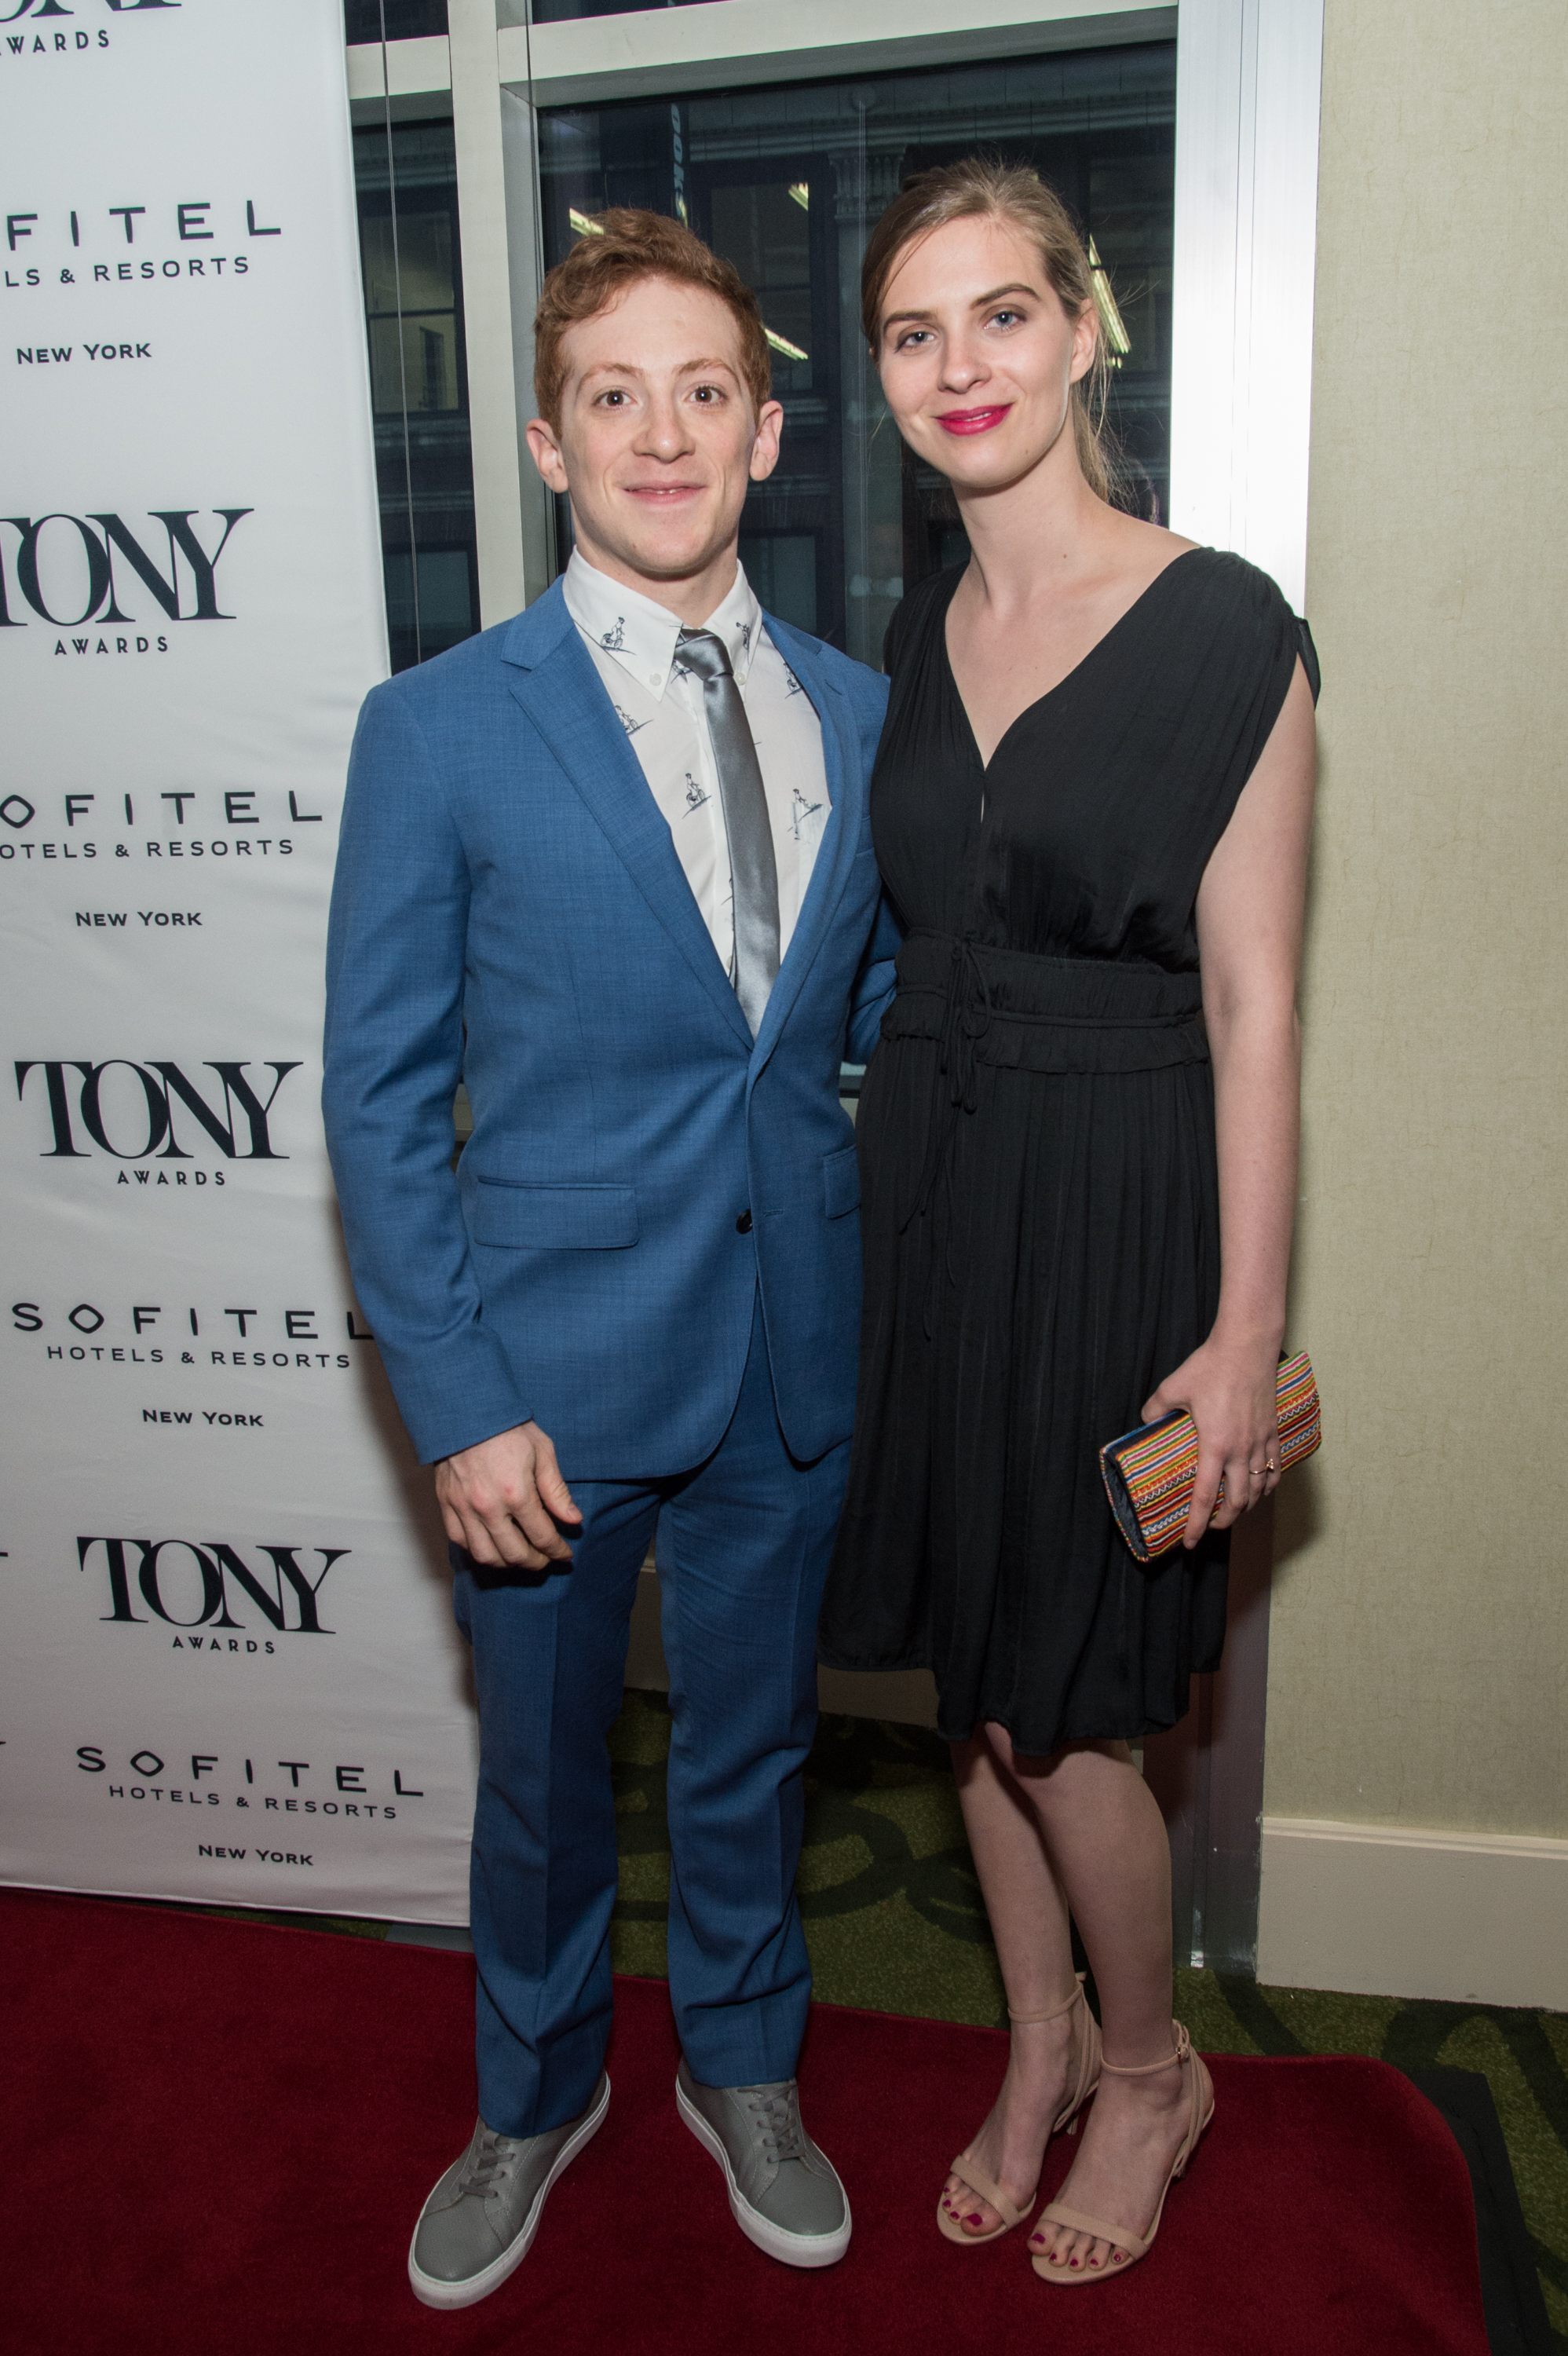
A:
(545, 451)
(765, 446)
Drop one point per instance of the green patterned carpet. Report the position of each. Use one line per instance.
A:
(894, 1922)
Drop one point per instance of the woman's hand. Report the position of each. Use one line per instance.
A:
(1228, 1388)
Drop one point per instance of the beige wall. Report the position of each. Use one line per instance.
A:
(1420, 1638)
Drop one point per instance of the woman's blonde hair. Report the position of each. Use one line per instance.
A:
(1016, 194)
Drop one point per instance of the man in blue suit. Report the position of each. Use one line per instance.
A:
(610, 865)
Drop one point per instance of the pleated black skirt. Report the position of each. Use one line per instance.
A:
(1040, 1209)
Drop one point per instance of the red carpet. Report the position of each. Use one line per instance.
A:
(218, 2136)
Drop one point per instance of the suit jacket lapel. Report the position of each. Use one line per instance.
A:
(840, 838)
(554, 680)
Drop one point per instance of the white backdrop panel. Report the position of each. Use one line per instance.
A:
(222, 1588)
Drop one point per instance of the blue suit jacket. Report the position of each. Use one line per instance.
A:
(509, 909)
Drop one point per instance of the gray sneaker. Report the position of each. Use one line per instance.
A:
(480, 2221)
(785, 2193)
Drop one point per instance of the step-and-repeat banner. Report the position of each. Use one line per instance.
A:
(228, 1669)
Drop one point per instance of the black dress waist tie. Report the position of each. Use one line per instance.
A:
(1022, 1013)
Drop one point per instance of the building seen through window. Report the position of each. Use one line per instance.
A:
(788, 182)
(407, 182)
(392, 20)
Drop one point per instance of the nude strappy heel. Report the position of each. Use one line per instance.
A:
(1200, 2110)
(969, 2172)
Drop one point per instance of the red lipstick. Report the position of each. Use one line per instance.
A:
(972, 421)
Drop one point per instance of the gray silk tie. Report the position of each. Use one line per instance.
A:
(752, 868)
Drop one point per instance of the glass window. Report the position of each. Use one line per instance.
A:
(392, 20)
(788, 182)
(407, 181)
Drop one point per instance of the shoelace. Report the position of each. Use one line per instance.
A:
(776, 2112)
(489, 2165)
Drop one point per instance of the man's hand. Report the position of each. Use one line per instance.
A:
(502, 1499)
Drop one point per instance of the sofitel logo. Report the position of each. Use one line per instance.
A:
(82, 571)
(199, 1583)
(147, 1099)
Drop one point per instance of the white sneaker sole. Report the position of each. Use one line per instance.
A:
(431, 2292)
(791, 2249)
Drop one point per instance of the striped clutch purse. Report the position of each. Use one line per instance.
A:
(1149, 1473)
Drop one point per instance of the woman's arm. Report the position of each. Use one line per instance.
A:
(1249, 909)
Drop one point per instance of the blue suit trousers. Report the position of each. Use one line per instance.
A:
(743, 1546)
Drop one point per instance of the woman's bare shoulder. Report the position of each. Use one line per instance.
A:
(1143, 549)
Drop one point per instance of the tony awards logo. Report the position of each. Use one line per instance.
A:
(40, 22)
(131, 1110)
(210, 1584)
(71, 570)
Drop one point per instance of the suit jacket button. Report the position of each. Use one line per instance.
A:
(743, 1223)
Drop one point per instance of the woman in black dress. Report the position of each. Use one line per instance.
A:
(1078, 1148)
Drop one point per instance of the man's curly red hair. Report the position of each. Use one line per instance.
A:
(631, 245)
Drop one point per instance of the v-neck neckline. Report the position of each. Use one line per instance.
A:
(1083, 661)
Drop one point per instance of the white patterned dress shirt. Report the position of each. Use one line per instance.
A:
(632, 642)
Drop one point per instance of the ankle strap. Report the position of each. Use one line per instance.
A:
(1182, 2052)
(1025, 2019)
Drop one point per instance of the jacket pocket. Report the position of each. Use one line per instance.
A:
(842, 1182)
(554, 1218)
